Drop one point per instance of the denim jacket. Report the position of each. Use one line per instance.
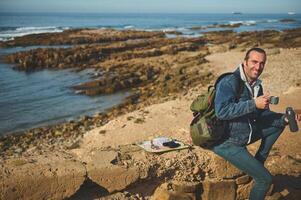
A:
(240, 111)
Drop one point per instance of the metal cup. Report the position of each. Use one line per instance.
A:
(274, 100)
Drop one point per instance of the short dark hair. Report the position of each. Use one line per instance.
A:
(259, 50)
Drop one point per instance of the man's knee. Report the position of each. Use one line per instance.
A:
(279, 130)
(265, 180)
(276, 131)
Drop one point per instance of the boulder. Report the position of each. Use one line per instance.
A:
(112, 177)
(243, 191)
(243, 180)
(219, 190)
(55, 176)
(164, 192)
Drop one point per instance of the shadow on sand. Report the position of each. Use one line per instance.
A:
(290, 183)
(89, 191)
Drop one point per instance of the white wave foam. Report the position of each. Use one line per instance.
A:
(129, 27)
(178, 29)
(250, 22)
(272, 20)
(168, 30)
(235, 22)
(35, 28)
(21, 31)
(247, 23)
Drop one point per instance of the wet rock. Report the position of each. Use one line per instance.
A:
(287, 20)
(285, 39)
(80, 36)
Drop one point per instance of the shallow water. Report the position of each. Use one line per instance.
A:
(44, 97)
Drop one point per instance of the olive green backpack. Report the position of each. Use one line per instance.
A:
(206, 130)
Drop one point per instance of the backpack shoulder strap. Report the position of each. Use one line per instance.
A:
(240, 82)
(240, 85)
(221, 77)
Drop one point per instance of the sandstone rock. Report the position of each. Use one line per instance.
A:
(113, 178)
(219, 190)
(285, 192)
(101, 170)
(275, 196)
(243, 191)
(243, 179)
(56, 176)
(186, 187)
(163, 192)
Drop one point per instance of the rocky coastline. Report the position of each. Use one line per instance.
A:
(152, 68)
(156, 69)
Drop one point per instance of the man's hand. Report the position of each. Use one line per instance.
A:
(297, 117)
(262, 102)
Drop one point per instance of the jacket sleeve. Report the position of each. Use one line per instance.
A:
(226, 107)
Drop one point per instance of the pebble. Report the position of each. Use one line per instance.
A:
(168, 163)
(18, 150)
(196, 170)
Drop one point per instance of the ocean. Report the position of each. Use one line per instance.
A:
(18, 24)
(44, 97)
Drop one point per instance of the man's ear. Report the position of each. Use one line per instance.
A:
(244, 63)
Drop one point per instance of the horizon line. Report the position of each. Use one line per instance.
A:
(79, 12)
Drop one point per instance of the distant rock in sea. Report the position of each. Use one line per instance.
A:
(287, 20)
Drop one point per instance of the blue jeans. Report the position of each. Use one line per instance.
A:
(240, 157)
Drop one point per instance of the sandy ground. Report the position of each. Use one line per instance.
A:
(282, 77)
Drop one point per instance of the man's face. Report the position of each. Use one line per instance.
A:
(254, 65)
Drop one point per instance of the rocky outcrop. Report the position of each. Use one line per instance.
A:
(187, 174)
(51, 176)
(80, 36)
(102, 168)
(156, 64)
(150, 67)
(268, 38)
(236, 25)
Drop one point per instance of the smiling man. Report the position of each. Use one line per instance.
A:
(254, 64)
(240, 102)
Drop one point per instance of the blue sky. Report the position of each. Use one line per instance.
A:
(152, 6)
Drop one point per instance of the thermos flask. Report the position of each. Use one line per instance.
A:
(291, 119)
